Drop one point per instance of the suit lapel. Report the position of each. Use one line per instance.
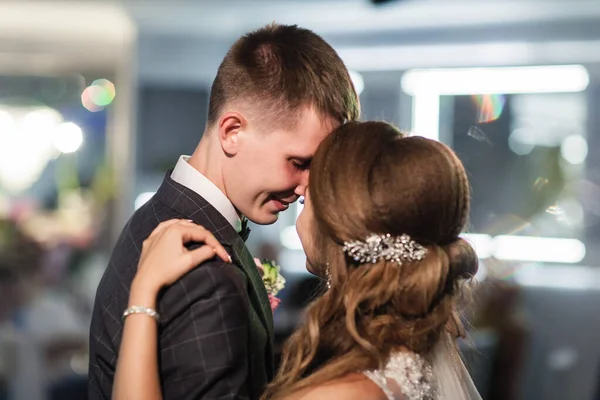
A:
(247, 262)
(192, 205)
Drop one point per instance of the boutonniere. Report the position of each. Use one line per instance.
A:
(273, 280)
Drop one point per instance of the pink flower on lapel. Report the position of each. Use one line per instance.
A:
(272, 279)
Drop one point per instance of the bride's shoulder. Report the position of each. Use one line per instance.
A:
(351, 387)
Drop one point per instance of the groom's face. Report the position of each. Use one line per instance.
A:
(269, 170)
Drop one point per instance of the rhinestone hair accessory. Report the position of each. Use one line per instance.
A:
(398, 249)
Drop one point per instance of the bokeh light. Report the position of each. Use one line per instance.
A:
(7, 123)
(521, 141)
(574, 149)
(357, 81)
(25, 145)
(68, 137)
(98, 95)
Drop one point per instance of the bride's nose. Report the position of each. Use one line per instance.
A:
(303, 184)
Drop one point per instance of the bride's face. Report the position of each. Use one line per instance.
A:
(304, 226)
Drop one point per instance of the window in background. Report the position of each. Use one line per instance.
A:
(521, 135)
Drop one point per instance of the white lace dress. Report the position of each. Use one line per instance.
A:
(440, 376)
(406, 376)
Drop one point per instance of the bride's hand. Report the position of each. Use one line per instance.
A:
(165, 258)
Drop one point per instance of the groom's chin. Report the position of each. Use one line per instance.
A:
(263, 218)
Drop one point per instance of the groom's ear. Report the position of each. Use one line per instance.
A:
(231, 124)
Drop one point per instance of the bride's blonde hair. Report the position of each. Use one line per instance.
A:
(368, 178)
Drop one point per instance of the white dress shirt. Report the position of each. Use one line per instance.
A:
(191, 178)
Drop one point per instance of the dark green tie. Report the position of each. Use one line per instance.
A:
(245, 232)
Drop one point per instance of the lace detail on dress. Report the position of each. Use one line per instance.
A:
(381, 381)
(411, 378)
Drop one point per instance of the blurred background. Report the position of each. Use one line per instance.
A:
(99, 98)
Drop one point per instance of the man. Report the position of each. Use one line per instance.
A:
(278, 92)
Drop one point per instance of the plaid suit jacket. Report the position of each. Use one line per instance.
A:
(216, 325)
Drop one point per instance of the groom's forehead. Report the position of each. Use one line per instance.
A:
(305, 143)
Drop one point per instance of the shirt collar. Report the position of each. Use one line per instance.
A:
(190, 177)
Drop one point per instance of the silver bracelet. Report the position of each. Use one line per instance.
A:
(141, 310)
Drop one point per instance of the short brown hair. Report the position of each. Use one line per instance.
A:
(281, 68)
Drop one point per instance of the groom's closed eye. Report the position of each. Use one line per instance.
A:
(301, 164)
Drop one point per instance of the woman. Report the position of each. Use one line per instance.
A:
(380, 224)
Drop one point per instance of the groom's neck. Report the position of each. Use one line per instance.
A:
(206, 160)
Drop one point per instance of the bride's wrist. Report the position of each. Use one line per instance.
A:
(143, 293)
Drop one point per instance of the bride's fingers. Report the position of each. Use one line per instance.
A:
(199, 234)
(189, 222)
(197, 256)
(163, 225)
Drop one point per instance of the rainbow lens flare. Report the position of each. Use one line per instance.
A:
(490, 106)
